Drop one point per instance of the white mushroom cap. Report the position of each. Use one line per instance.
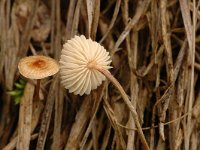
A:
(76, 73)
(37, 67)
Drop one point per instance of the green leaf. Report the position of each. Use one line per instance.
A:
(19, 86)
(15, 93)
(23, 82)
(17, 100)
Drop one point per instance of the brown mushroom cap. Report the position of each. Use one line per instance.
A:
(37, 67)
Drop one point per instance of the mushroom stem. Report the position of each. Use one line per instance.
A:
(37, 89)
(127, 102)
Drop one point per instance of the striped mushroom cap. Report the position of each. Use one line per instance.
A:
(77, 74)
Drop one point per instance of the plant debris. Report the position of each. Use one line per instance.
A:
(155, 52)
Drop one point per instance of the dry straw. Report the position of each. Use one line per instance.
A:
(83, 66)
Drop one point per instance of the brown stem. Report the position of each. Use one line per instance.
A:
(127, 102)
(37, 89)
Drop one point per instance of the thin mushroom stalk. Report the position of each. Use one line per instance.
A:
(37, 90)
(125, 98)
(84, 65)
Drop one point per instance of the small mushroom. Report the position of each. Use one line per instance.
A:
(37, 67)
(84, 65)
(78, 56)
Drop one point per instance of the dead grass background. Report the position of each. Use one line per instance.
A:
(156, 57)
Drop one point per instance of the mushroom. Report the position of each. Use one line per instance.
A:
(76, 65)
(37, 67)
(84, 64)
